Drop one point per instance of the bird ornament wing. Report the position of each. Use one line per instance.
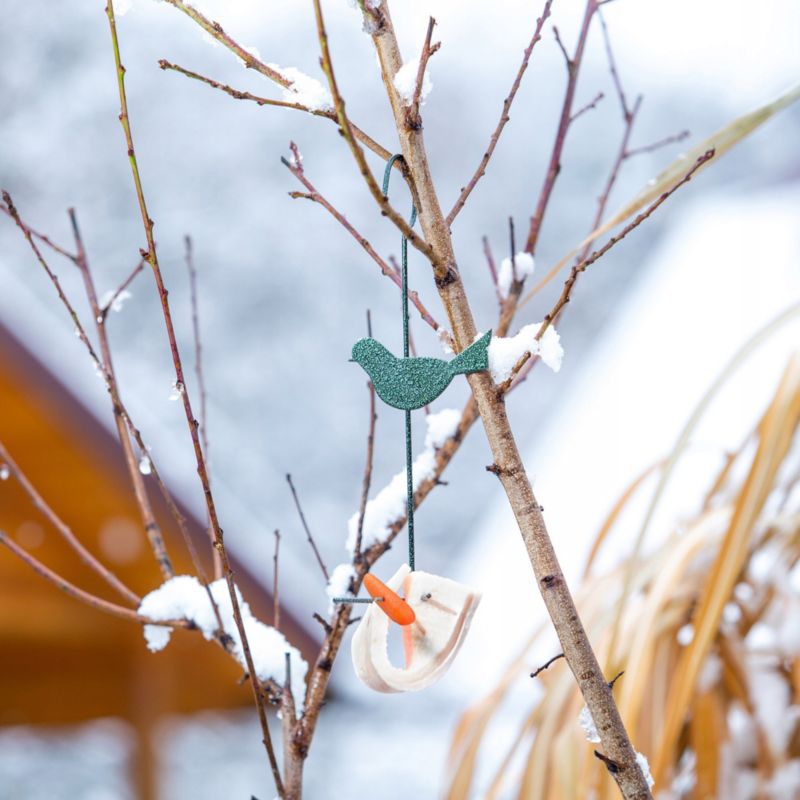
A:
(442, 612)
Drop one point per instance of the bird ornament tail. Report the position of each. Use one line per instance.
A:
(474, 358)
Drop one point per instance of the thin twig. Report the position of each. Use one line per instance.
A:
(650, 148)
(151, 527)
(358, 154)
(504, 117)
(152, 258)
(99, 367)
(546, 664)
(564, 298)
(276, 602)
(592, 104)
(365, 484)
(41, 237)
(201, 384)
(121, 288)
(554, 166)
(65, 531)
(295, 166)
(306, 528)
(612, 66)
(362, 137)
(427, 51)
(487, 251)
(79, 594)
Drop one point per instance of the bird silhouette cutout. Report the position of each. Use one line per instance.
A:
(411, 383)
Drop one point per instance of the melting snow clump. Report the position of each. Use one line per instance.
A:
(304, 89)
(505, 352)
(523, 266)
(184, 597)
(644, 765)
(587, 723)
(339, 583)
(405, 81)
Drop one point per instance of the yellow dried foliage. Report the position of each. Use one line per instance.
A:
(695, 708)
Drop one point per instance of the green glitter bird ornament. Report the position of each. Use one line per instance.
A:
(411, 383)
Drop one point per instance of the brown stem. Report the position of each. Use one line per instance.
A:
(151, 526)
(414, 118)
(296, 168)
(152, 258)
(79, 594)
(201, 384)
(276, 602)
(41, 237)
(510, 469)
(121, 288)
(365, 484)
(358, 154)
(362, 137)
(504, 117)
(554, 167)
(307, 530)
(65, 531)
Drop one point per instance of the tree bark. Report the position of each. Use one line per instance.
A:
(509, 467)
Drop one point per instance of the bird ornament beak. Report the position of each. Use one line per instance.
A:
(435, 616)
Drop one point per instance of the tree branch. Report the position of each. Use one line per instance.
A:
(504, 117)
(362, 137)
(152, 258)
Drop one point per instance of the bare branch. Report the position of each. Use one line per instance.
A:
(121, 288)
(592, 104)
(41, 237)
(427, 52)
(539, 670)
(276, 602)
(487, 251)
(152, 258)
(362, 509)
(79, 594)
(151, 526)
(65, 531)
(650, 148)
(306, 528)
(598, 254)
(554, 167)
(295, 166)
(504, 117)
(362, 137)
(358, 154)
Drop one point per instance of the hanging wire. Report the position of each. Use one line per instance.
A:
(404, 275)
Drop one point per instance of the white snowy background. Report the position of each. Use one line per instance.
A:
(284, 291)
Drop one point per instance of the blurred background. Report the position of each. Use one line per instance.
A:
(283, 293)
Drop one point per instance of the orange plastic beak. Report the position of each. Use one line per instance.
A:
(391, 604)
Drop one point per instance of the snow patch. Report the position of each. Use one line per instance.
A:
(405, 82)
(644, 765)
(339, 583)
(586, 721)
(523, 268)
(119, 300)
(304, 89)
(184, 597)
(390, 502)
(504, 353)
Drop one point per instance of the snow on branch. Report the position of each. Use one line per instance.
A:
(304, 89)
(390, 503)
(184, 597)
(405, 81)
(505, 353)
